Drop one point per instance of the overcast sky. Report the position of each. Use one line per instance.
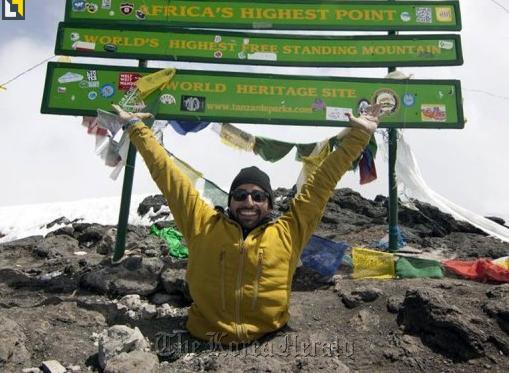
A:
(47, 158)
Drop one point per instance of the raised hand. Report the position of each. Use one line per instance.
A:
(127, 116)
(369, 121)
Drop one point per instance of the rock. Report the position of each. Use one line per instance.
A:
(443, 327)
(107, 243)
(151, 253)
(498, 292)
(362, 294)
(12, 343)
(166, 311)
(160, 298)
(498, 309)
(27, 243)
(131, 301)
(366, 320)
(74, 368)
(152, 202)
(67, 230)
(52, 366)
(117, 339)
(55, 247)
(31, 370)
(394, 304)
(60, 221)
(161, 224)
(174, 281)
(148, 311)
(497, 220)
(92, 234)
(134, 275)
(133, 362)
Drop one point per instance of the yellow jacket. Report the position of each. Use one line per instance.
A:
(241, 287)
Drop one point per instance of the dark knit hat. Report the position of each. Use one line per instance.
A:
(252, 175)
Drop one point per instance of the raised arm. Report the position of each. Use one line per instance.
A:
(306, 209)
(189, 210)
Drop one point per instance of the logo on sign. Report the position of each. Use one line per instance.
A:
(13, 10)
(127, 80)
(192, 104)
(444, 14)
(78, 5)
(126, 8)
(107, 91)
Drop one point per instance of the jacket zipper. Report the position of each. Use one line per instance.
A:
(259, 268)
(238, 292)
(223, 299)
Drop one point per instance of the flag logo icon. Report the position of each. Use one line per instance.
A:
(13, 9)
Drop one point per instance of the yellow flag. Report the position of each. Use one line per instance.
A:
(502, 262)
(372, 264)
(64, 59)
(158, 80)
(236, 138)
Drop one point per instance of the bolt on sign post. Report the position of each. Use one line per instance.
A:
(161, 30)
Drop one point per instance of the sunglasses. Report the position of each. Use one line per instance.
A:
(257, 195)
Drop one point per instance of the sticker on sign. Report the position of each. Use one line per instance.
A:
(338, 113)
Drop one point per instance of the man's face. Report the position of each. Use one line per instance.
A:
(249, 212)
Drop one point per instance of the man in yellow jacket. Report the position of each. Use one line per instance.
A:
(241, 263)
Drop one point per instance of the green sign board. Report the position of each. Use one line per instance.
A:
(273, 14)
(76, 89)
(156, 43)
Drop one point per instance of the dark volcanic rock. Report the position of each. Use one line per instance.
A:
(27, 243)
(441, 326)
(56, 246)
(497, 220)
(174, 282)
(155, 202)
(59, 221)
(12, 343)
(348, 199)
(134, 275)
(92, 234)
(430, 221)
(363, 294)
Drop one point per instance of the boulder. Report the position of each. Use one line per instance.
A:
(117, 339)
(55, 247)
(362, 294)
(52, 366)
(134, 275)
(152, 202)
(443, 327)
(133, 362)
(12, 343)
(174, 281)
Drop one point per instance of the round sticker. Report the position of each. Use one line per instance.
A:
(408, 99)
(92, 95)
(218, 54)
(75, 36)
(107, 91)
(92, 8)
(362, 107)
(217, 39)
(167, 99)
(387, 99)
(405, 17)
(140, 15)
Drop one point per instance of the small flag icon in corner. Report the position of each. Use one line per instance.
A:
(13, 10)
